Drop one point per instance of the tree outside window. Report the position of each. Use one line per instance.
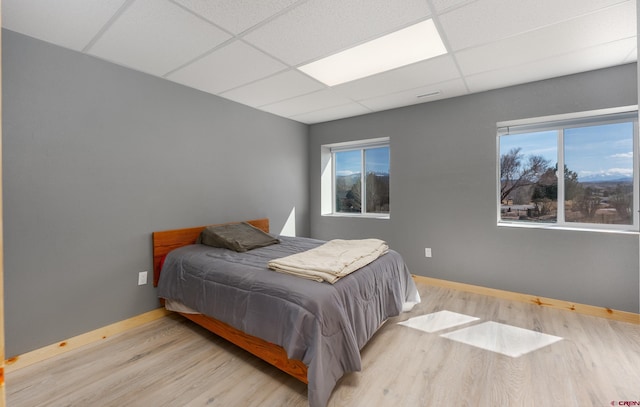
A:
(570, 175)
(362, 169)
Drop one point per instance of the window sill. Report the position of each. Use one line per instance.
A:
(563, 227)
(358, 215)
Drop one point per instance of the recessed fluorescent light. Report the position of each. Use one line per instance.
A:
(412, 44)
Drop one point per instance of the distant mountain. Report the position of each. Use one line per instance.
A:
(605, 178)
(349, 178)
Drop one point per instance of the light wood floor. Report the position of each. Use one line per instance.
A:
(172, 362)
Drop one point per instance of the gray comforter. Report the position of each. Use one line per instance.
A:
(323, 325)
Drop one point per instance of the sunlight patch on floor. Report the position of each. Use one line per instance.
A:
(438, 321)
(492, 336)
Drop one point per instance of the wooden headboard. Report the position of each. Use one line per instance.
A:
(167, 240)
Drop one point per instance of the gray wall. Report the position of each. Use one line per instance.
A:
(97, 157)
(443, 194)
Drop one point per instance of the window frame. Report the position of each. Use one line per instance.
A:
(560, 123)
(328, 184)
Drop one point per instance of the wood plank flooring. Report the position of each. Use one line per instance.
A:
(172, 362)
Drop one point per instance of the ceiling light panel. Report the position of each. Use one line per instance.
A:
(274, 89)
(70, 23)
(156, 37)
(236, 15)
(412, 44)
(226, 68)
(321, 27)
(484, 21)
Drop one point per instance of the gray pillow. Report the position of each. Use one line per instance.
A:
(240, 237)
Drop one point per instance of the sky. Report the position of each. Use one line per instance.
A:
(594, 152)
(377, 160)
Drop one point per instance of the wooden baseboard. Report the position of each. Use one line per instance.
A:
(18, 362)
(27, 359)
(592, 310)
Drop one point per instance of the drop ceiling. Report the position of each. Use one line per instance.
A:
(248, 51)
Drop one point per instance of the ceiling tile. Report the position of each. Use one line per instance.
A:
(588, 59)
(484, 21)
(589, 30)
(279, 87)
(230, 66)
(247, 50)
(632, 57)
(444, 5)
(410, 97)
(71, 23)
(308, 103)
(423, 73)
(332, 113)
(156, 36)
(236, 16)
(320, 27)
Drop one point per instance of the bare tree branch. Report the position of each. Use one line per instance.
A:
(514, 175)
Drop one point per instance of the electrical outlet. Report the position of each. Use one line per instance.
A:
(142, 278)
(427, 252)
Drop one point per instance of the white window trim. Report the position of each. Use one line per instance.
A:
(327, 171)
(560, 122)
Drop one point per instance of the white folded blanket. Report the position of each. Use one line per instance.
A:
(332, 260)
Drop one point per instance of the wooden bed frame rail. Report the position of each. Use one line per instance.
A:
(269, 352)
(163, 243)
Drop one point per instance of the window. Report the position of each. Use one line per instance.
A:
(359, 182)
(574, 171)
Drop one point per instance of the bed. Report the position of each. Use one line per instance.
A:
(313, 331)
